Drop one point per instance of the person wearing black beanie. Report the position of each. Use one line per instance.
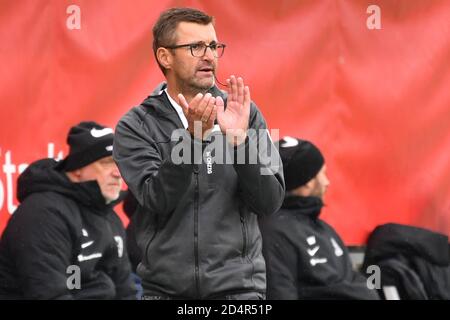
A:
(90, 158)
(303, 167)
(305, 257)
(65, 241)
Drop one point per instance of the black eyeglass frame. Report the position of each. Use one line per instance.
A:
(214, 46)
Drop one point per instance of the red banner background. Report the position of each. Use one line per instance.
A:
(376, 101)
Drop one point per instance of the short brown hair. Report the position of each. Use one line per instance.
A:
(164, 28)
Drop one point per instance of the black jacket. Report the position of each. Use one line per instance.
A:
(58, 227)
(414, 260)
(306, 258)
(196, 225)
(134, 253)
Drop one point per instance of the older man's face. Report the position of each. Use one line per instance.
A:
(107, 175)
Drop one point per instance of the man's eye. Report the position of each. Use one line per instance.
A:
(196, 46)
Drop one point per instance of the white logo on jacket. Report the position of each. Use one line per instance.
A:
(312, 252)
(337, 250)
(119, 242)
(209, 165)
(84, 245)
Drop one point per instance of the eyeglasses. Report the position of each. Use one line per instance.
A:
(198, 49)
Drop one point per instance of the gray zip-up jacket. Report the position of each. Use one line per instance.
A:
(196, 224)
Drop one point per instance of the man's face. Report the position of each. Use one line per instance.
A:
(107, 175)
(193, 74)
(321, 183)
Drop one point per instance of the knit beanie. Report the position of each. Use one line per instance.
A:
(88, 142)
(301, 159)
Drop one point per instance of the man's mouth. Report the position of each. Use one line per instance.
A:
(114, 185)
(206, 70)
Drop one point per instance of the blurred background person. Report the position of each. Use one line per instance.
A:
(305, 257)
(65, 241)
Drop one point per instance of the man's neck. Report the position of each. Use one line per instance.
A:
(174, 92)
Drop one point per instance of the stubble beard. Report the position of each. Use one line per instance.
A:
(111, 197)
(194, 85)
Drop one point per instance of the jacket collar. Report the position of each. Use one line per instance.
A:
(43, 176)
(308, 206)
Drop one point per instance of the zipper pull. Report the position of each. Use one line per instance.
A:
(196, 168)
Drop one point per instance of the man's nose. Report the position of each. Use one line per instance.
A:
(209, 54)
(115, 172)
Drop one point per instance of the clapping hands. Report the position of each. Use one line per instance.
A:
(203, 110)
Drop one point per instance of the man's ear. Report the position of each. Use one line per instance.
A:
(310, 185)
(75, 175)
(164, 57)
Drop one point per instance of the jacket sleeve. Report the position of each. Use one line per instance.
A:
(42, 251)
(281, 264)
(261, 178)
(158, 184)
(121, 273)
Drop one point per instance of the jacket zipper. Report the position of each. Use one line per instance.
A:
(244, 236)
(197, 276)
(147, 245)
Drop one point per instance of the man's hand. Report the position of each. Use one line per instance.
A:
(234, 120)
(200, 113)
